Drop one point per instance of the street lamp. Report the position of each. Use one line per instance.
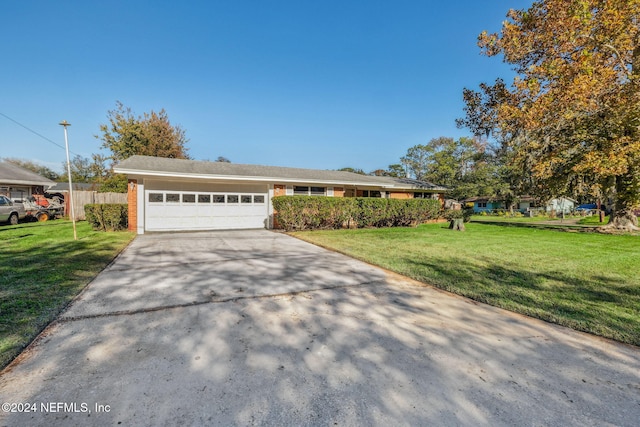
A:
(64, 124)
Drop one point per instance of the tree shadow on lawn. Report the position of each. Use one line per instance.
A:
(601, 305)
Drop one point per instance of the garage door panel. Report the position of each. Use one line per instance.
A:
(189, 210)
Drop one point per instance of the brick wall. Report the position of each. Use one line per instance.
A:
(401, 195)
(132, 201)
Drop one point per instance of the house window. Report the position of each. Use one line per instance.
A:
(188, 198)
(173, 198)
(245, 199)
(258, 199)
(482, 204)
(232, 199)
(156, 197)
(218, 198)
(300, 191)
(308, 191)
(204, 198)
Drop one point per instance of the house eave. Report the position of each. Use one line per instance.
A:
(242, 178)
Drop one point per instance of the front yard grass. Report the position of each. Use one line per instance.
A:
(586, 281)
(41, 269)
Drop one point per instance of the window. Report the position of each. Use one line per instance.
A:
(245, 199)
(317, 191)
(156, 197)
(308, 191)
(300, 191)
(258, 199)
(368, 193)
(218, 198)
(482, 204)
(204, 198)
(232, 199)
(173, 198)
(188, 198)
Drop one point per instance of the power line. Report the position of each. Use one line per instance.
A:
(36, 133)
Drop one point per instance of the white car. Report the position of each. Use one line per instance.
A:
(11, 212)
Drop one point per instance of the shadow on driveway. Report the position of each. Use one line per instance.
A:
(258, 328)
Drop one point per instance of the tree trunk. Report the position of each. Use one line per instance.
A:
(622, 217)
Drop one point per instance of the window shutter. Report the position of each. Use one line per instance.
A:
(289, 190)
(330, 191)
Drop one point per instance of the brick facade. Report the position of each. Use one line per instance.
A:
(401, 195)
(132, 201)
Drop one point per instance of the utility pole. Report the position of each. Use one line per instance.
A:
(64, 124)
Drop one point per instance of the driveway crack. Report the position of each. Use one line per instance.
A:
(67, 319)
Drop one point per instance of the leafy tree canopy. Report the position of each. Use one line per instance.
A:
(150, 134)
(354, 170)
(127, 134)
(572, 114)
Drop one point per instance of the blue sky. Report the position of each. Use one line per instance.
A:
(320, 85)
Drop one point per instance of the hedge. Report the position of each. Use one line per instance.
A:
(318, 212)
(107, 216)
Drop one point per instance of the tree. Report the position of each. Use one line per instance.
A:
(353, 170)
(417, 160)
(572, 114)
(222, 159)
(150, 134)
(464, 165)
(126, 135)
(35, 167)
(87, 170)
(396, 170)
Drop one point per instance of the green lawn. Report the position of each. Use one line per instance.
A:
(41, 269)
(586, 281)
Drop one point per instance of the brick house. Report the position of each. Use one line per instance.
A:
(176, 194)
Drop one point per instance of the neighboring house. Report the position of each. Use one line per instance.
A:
(18, 183)
(175, 194)
(561, 205)
(485, 204)
(525, 204)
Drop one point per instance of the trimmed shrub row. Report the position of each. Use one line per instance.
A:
(318, 212)
(107, 216)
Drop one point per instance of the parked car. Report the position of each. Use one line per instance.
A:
(587, 207)
(11, 212)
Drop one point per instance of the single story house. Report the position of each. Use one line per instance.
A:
(525, 204)
(176, 194)
(18, 183)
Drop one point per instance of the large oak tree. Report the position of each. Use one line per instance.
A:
(572, 114)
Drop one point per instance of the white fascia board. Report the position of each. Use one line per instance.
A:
(145, 173)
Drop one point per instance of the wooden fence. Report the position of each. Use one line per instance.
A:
(81, 198)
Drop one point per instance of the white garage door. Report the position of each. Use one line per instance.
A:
(196, 210)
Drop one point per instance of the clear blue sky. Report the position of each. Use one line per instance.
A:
(322, 84)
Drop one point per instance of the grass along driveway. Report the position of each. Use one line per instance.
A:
(587, 281)
(41, 269)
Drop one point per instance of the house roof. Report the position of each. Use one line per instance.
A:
(11, 174)
(181, 168)
(80, 186)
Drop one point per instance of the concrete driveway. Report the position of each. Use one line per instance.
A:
(258, 328)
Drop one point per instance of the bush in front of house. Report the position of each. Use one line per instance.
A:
(107, 216)
(318, 212)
